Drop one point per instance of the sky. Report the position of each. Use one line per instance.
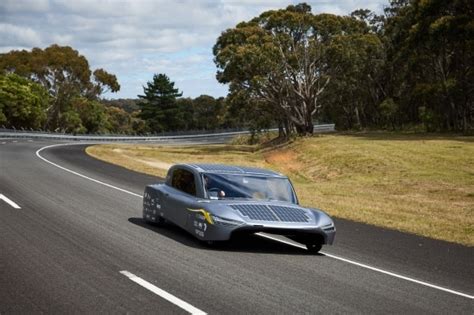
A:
(135, 39)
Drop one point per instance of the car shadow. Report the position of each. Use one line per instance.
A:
(238, 243)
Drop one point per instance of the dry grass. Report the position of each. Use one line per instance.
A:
(418, 184)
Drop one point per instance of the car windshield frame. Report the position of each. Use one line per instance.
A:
(256, 187)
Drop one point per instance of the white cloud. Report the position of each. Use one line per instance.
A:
(19, 36)
(12, 6)
(136, 38)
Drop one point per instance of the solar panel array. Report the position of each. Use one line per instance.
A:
(218, 168)
(258, 171)
(256, 212)
(272, 213)
(232, 169)
(289, 214)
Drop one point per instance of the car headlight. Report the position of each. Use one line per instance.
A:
(329, 227)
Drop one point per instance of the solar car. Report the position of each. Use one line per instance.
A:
(215, 201)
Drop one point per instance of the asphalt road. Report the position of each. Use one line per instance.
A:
(65, 249)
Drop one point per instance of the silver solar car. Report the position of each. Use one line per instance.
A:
(214, 201)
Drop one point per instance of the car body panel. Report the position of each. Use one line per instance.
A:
(218, 219)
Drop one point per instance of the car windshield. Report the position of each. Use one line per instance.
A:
(236, 186)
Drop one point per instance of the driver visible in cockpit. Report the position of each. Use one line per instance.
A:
(212, 191)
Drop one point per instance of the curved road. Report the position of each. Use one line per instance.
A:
(77, 245)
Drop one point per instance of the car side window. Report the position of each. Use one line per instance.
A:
(184, 180)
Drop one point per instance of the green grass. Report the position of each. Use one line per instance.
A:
(422, 184)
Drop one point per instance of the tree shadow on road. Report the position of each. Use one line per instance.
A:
(238, 243)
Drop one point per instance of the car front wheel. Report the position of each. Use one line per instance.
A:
(314, 247)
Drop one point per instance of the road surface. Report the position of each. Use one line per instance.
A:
(75, 242)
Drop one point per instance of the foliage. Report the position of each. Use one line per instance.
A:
(70, 122)
(208, 112)
(91, 113)
(430, 46)
(388, 110)
(412, 67)
(118, 120)
(64, 73)
(159, 108)
(281, 59)
(127, 104)
(23, 103)
(413, 64)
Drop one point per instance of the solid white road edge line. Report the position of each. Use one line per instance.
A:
(10, 202)
(372, 268)
(165, 295)
(270, 237)
(78, 174)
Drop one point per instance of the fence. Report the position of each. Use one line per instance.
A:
(7, 133)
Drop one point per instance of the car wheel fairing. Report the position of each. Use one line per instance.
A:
(314, 247)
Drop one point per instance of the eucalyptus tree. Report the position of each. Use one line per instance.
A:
(430, 44)
(281, 58)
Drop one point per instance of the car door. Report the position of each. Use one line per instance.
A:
(180, 196)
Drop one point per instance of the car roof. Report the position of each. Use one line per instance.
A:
(232, 169)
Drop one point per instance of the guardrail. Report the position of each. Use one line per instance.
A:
(120, 138)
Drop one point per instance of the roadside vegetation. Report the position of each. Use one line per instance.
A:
(411, 66)
(422, 184)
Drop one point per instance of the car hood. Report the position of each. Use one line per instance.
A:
(265, 212)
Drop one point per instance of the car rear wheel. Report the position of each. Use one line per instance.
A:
(314, 247)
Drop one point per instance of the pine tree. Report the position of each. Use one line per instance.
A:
(159, 108)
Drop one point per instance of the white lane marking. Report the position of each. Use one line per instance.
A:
(10, 202)
(373, 268)
(15, 141)
(162, 293)
(78, 174)
(274, 238)
(3, 142)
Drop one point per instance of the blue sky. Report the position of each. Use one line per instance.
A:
(134, 39)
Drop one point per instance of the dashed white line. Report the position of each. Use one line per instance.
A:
(10, 202)
(274, 238)
(162, 293)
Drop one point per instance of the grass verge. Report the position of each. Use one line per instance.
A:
(423, 184)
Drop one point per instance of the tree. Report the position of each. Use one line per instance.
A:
(358, 86)
(246, 112)
(91, 113)
(127, 104)
(280, 58)
(159, 108)
(23, 103)
(63, 72)
(118, 120)
(430, 46)
(185, 114)
(208, 112)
